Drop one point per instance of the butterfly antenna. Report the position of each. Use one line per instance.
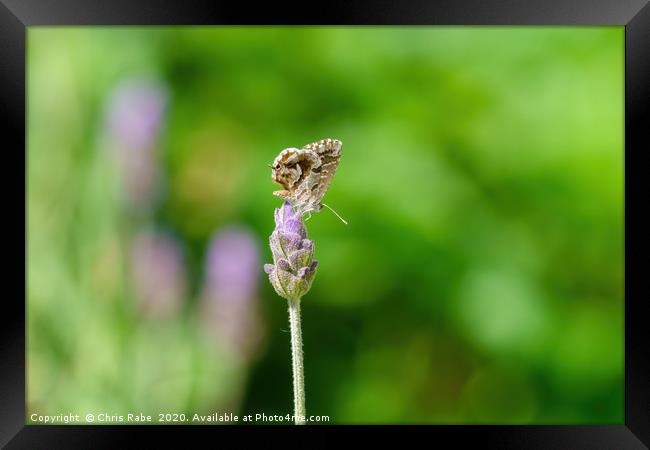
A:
(336, 214)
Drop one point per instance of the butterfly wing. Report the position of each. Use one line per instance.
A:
(306, 173)
(329, 152)
(283, 194)
(293, 170)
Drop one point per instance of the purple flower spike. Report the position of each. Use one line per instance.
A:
(134, 117)
(159, 278)
(135, 113)
(229, 303)
(232, 264)
(294, 267)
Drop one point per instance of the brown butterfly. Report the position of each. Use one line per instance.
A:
(306, 173)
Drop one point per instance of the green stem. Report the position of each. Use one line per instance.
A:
(296, 359)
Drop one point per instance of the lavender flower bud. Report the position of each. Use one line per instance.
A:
(293, 255)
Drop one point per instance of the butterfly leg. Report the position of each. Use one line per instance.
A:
(308, 216)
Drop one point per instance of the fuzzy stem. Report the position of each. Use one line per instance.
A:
(296, 359)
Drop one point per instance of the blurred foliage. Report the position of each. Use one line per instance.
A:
(480, 279)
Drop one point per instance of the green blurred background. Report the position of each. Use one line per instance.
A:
(480, 279)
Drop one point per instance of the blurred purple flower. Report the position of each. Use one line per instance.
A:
(135, 113)
(158, 273)
(230, 291)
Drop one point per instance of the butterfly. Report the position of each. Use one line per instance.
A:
(306, 173)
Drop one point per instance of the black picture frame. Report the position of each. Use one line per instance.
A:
(634, 15)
